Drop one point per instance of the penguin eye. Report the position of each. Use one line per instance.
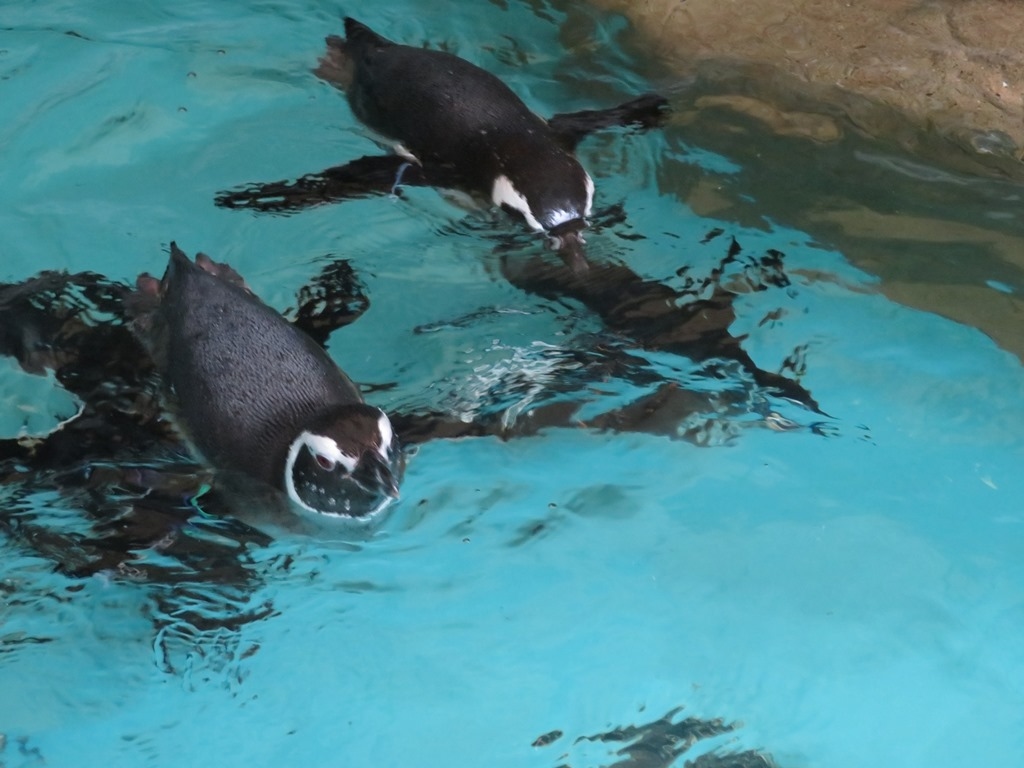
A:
(324, 462)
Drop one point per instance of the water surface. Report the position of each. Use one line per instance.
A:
(844, 593)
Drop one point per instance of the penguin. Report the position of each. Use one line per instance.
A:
(259, 398)
(454, 125)
(443, 110)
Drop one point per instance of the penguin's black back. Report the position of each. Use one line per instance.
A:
(442, 108)
(245, 381)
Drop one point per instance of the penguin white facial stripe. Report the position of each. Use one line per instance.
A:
(387, 434)
(326, 447)
(589, 182)
(289, 480)
(504, 193)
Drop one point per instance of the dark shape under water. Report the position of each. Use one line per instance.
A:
(658, 317)
(113, 492)
(660, 743)
(120, 459)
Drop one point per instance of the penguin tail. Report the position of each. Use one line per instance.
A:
(178, 256)
(358, 34)
(178, 264)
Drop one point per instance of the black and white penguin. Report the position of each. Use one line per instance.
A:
(446, 112)
(257, 396)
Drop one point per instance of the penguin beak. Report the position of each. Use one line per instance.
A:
(374, 474)
(568, 244)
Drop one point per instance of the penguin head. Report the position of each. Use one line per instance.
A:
(347, 463)
(553, 194)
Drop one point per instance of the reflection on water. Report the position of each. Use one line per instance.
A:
(116, 466)
(110, 494)
(659, 743)
(934, 236)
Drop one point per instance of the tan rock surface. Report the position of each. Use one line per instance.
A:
(953, 67)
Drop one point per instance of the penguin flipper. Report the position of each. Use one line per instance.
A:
(647, 111)
(365, 176)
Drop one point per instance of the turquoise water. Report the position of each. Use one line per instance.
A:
(847, 595)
